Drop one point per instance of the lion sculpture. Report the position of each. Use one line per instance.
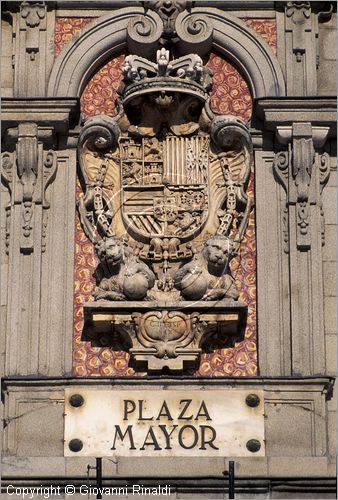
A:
(207, 276)
(120, 275)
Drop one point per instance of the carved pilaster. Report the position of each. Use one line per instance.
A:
(33, 57)
(39, 234)
(27, 172)
(301, 45)
(300, 49)
(303, 170)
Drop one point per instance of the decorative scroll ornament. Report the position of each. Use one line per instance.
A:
(7, 162)
(144, 31)
(169, 24)
(296, 171)
(194, 32)
(165, 205)
(324, 174)
(298, 11)
(27, 173)
(33, 12)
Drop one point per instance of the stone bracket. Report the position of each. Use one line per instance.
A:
(165, 334)
(27, 173)
(302, 172)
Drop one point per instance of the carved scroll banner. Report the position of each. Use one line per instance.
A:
(112, 423)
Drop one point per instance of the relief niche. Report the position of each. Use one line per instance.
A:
(165, 205)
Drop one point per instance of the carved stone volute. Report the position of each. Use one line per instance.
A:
(27, 172)
(169, 24)
(303, 174)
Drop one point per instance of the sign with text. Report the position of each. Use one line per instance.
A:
(168, 422)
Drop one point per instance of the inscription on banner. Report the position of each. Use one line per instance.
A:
(168, 422)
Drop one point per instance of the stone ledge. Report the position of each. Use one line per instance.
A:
(164, 335)
(297, 398)
(58, 112)
(323, 384)
(319, 111)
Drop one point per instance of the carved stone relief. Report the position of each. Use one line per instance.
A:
(294, 169)
(27, 172)
(165, 205)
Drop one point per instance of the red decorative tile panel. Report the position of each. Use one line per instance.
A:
(99, 95)
(230, 95)
(89, 360)
(66, 28)
(242, 359)
(266, 28)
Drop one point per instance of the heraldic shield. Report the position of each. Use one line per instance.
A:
(164, 185)
(165, 205)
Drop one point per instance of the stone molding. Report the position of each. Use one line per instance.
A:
(320, 111)
(107, 36)
(324, 384)
(40, 180)
(57, 113)
(34, 409)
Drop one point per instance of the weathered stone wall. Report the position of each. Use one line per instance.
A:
(52, 70)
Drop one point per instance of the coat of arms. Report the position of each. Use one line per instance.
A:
(165, 185)
(166, 207)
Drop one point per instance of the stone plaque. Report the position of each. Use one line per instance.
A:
(106, 423)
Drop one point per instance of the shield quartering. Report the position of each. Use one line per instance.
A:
(165, 185)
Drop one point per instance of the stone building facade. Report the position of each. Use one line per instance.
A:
(242, 92)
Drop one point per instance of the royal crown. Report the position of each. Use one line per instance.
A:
(185, 75)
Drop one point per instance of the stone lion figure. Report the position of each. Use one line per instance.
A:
(120, 275)
(207, 276)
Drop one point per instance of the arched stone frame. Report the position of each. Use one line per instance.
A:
(107, 36)
(235, 41)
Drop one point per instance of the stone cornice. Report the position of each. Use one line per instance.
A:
(322, 383)
(58, 113)
(320, 111)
